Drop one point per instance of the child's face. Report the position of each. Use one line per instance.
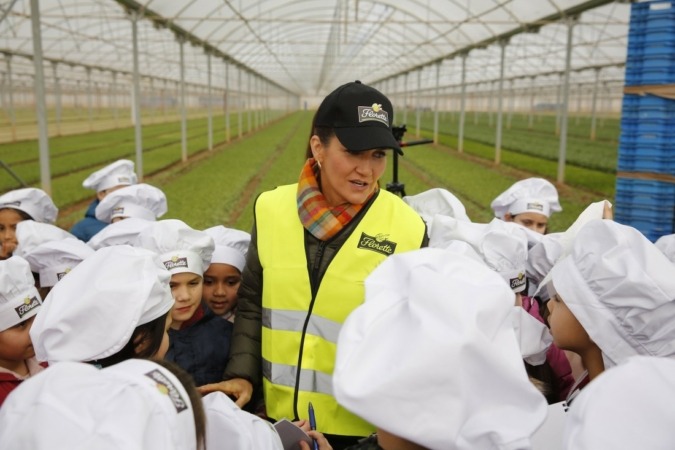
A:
(221, 283)
(186, 289)
(567, 332)
(8, 220)
(15, 343)
(533, 221)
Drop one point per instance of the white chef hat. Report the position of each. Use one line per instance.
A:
(92, 313)
(447, 229)
(437, 201)
(30, 234)
(32, 201)
(122, 232)
(542, 257)
(504, 249)
(119, 173)
(530, 195)
(142, 201)
(52, 260)
(424, 304)
(621, 289)
(181, 248)
(229, 427)
(136, 404)
(19, 299)
(231, 246)
(629, 406)
(667, 245)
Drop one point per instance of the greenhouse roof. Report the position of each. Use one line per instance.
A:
(307, 47)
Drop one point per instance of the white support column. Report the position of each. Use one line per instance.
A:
(565, 101)
(436, 101)
(10, 95)
(512, 101)
(249, 103)
(418, 103)
(57, 97)
(89, 99)
(405, 98)
(500, 105)
(183, 112)
(594, 104)
(240, 102)
(40, 103)
(530, 119)
(228, 98)
(137, 97)
(210, 108)
(558, 106)
(580, 92)
(462, 106)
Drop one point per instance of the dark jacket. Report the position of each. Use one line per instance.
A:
(90, 225)
(202, 348)
(246, 353)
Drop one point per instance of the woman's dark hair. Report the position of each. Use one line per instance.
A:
(325, 134)
(151, 332)
(23, 214)
(195, 398)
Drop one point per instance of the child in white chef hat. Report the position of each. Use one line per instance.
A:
(223, 276)
(113, 306)
(19, 205)
(431, 357)
(528, 202)
(199, 340)
(142, 201)
(627, 407)
(19, 303)
(612, 297)
(135, 404)
(104, 181)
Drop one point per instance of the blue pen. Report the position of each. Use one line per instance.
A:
(312, 424)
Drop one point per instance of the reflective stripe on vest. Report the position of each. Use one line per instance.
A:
(389, 226)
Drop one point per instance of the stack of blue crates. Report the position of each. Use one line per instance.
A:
(645, 187)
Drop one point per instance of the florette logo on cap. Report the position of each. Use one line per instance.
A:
(166, 387)
(62, 274)
(373, 112)
(15, 203)
(378, 243)
(123, 179)
(175, 262)
(118, 210)
(518, 281)
(536, 206)
(27, 306)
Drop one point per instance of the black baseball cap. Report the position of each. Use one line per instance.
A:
(361, 117)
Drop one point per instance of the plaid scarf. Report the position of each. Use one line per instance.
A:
(317, 216)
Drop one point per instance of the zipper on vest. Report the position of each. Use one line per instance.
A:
(314, 281)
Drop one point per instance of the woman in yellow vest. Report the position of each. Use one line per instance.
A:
(312, 246)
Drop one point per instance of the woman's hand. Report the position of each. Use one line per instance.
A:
(239, 388)
(319, 438)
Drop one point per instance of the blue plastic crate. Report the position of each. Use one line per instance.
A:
(645, 194)
(646, 107)
(628, 162)
(653, 224)
(651, 11)
(647, 205)
(641, 76)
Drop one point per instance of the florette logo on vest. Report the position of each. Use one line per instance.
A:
(373, 112)
(166, 387)
(175, 262)
(378, 243)
(27, 306)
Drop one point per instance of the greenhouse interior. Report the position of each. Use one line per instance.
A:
(538, 86)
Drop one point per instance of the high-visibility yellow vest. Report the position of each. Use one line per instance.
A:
(302, 328)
